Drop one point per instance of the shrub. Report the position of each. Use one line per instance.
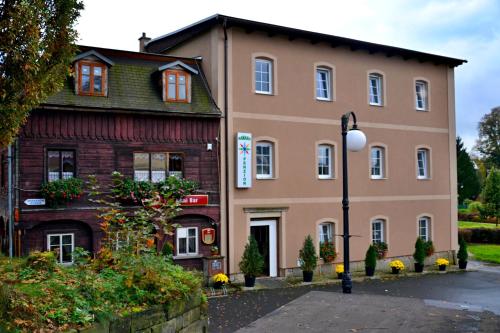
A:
(429, 248)
(62, 191)
(381, 249)
(474, 206)
(327, 251)
(462, 254)
(307, 255)
(480, 235)
(371, 257)
(42, 261)
(419, 254)
(252, 262)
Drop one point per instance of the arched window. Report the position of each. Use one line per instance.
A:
(324, 84)
(421, 95)
(424, 228)
(325, 155)
(376, 86)
(378, 231)
(263, 76)
(264, 159)
(423, 163)
(377, 162)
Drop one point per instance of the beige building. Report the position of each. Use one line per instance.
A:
(287, 89)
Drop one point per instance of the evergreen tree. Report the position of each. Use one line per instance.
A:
(252, 262)
(371, 257)
(467, 177)
(462, 254)
(308, 256)
(419, 254)
(491, 193)
(488, 143)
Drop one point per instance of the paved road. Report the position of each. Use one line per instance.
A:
(471, 290)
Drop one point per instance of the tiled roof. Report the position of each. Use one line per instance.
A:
(134, 83)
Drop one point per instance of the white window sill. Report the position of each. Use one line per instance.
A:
(378, 178)
(264, 177)
(373, 104)
(421, 110)
(319, 99)
(423, 178)
(263, 92)
(326, 178)
(187, 256)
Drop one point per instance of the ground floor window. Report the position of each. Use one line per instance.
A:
(378, 231)
(423, 228)
(63, 245)
(187, 241)
(326, 232)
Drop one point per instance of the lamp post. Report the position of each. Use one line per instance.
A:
(353, 140)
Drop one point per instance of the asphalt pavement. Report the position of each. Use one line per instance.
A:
(454, 302)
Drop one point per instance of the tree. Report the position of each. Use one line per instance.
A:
(252, 262)
(37, 43)
(488, 143)
(467, 177)
(307, 255)
(491, 194)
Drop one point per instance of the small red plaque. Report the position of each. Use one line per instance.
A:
(195, 200)
(208, 235)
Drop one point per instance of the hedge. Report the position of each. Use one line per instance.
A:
(480, 235)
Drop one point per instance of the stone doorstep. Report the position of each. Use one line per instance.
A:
(357, 278)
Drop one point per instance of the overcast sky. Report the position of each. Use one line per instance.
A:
(466, 29)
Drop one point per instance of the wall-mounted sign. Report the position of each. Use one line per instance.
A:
(208, 236)
(244, 160)
(34, 202)
(195, 200)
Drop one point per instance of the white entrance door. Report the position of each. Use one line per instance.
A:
(272, 249)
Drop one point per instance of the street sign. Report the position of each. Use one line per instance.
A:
(35, 202)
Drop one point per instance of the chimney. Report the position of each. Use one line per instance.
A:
(143, 41)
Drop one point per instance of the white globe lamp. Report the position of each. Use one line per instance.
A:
(356, 140)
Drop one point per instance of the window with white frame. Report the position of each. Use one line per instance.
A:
(63, 245)
(378, 230)
(377, 162)
(187, 241)
(424, 228)
(376, 86)
(155, 167)
(422, 163)
(325, 162)
(264, 160)
(326, 232)
(421, 95)
(60, 164)
(263, 76)
(323, 84)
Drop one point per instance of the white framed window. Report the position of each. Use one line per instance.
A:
(422, 163)
(187, 241)
(421, 95)
(325, 161)
(378, 231)
(326, 232)
(63, 245)
(60, 164)
(424, 228)
(263, 76)
(155, 167)
(377, 162)
(323, 84)
(376, 86)
(264, 160)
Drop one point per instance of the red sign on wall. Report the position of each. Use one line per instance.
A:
(195, 200)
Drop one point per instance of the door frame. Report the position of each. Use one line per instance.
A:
(273, 243)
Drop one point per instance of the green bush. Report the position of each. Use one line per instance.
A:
(327, 251)
(462, 254)
(307, 255)
(75, 296)
(371, 257)
(429, 248)
(252, 262)
(474, 206)
(381, 249)
(480, 235)
(419, 254)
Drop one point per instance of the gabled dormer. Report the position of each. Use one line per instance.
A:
(176, 81)
(91, 73)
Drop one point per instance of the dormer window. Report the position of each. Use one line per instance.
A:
(92, 79)
(176, 80)
(177, 86)
(92, 73)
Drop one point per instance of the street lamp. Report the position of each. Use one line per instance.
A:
(353, 140)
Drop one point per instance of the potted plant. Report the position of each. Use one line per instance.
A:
(381, 248)
(308, 259)
(219, 280)
(252, 262)
(339, 269)
(462, 254)
(327, 251)
(396, 266)
(442, 263)
(370, 261)
(214, 250)
(419, 255)
(429, 248)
